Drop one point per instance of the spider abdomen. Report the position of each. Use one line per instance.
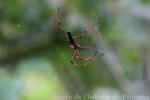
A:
(71, 40)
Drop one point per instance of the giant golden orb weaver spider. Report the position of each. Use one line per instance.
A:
(76, 46)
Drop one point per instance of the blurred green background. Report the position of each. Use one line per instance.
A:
(34, 55)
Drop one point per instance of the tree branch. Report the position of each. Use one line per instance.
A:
(29, 45)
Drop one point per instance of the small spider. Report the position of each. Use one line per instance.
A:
(76, 46)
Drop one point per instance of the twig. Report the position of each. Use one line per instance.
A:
(111, 60)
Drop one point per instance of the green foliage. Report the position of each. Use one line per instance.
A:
(35, 56)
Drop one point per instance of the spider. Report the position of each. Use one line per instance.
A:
(76, 46)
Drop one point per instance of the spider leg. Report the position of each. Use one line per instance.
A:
(77, 38)
(80, 35)
(87, 59)
(90, 58)
(77, 56)
(59, 25)
(85, 47)
(73, 56)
